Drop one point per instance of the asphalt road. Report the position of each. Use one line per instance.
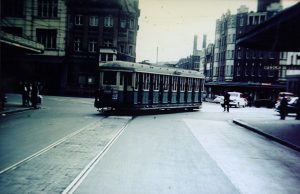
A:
(195, 152)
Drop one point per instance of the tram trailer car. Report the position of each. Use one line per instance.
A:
(127, 85)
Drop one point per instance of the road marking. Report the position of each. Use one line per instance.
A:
(14, 166)
(84, 173)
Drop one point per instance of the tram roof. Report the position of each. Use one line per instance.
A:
(145, 68)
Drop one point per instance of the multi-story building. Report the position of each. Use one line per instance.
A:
(237, 68)
(209, 62)
(76, 34)
(42, 21)
(98, 31)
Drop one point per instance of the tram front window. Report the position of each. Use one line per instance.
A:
(110, 78)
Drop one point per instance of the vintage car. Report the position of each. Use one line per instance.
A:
(236, 100)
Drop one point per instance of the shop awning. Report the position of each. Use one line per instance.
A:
(20, 43)
(279, 33)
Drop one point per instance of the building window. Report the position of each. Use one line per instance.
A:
(92, 45)
(107, 43)
(131, 23)
(123, 23)
(130, 50)
(94, 21)
(242, 22)
(246, 70)
(252, 70)
(228, 70)
(77, 45)
(239, 54)
(122, 48)
(78, 20)
(47, 38)
(12, 8)
(108, 21)
(259, 70)
(238, 70)
(47, 8)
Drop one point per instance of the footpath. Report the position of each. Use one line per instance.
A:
(13, 105)
(285, 132)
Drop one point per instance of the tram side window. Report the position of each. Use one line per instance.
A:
(201, 85)
(182, 83)
(155, 82)
(136, 81)
(165, 82)
(146, 81)
(190, 84)
(174, 83)
(125, 79)
(196, 85)
(109, 78)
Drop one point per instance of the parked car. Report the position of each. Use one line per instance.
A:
(218, 99)
(288, 95)
(291, 107)
(236, 100)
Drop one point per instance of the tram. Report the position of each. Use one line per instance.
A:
(128, 85)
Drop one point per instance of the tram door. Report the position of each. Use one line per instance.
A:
(127, 90)
(140, 88)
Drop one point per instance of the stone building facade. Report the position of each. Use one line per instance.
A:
(76, 34)
(98, 31)
(252, 72)
(42, 21)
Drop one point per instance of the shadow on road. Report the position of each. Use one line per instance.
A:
(143, 112)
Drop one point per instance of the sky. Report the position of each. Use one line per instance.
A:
(169, 26)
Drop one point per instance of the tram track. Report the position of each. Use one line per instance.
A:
(84, 173)
(49, 147)
(61, 166)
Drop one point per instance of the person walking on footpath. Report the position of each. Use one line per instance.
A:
(226, 101)
(34, 95)
(25, 94)
(283, 107)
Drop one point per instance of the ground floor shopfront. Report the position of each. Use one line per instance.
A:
(262, 94)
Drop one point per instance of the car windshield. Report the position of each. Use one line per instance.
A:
(234, 94)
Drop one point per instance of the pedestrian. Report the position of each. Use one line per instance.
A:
(298, 109)
(250, 100)
(34, 95)
(283, 107)
(25, 98)
(226, 101)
